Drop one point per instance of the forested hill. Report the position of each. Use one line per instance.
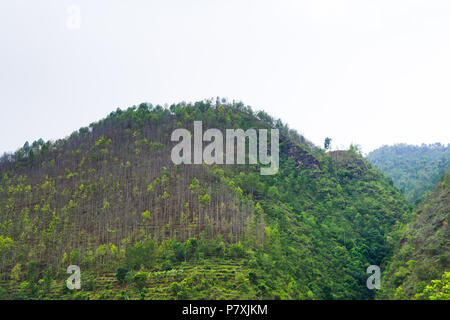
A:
(414, 169)
(420, 268)
(110, 200)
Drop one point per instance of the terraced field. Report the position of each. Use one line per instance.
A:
(210, 280)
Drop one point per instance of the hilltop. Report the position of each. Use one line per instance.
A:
(110, 200)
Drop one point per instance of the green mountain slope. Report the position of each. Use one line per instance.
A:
(110, 200)
(423, 254)
(414, 169)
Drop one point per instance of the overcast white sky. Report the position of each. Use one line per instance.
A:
(363, 71)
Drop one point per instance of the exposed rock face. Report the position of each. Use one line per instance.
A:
(344, 160)
(302, 158)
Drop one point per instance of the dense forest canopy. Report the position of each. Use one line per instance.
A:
(414, 169)
(420, 267)
(109, 199)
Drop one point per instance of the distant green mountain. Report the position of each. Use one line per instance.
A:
(110, 200)
(420, 267)
(413, 169)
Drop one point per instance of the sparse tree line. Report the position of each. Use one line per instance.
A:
(108, 187)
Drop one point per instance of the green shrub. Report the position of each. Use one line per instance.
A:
(236, 250)
(178, 290)
(121, 273)
(141, 253)
(140, 279)
(3, 294)
(90, 285)
(122, 296)
(19, 295)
